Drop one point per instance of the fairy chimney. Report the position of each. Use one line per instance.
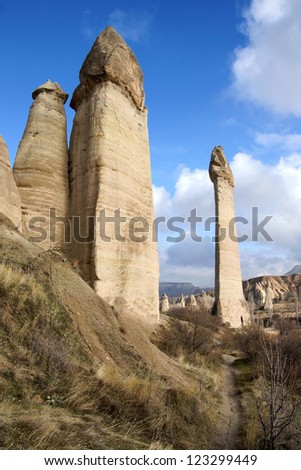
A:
(111, 186)
(230, 303)
(41, 168)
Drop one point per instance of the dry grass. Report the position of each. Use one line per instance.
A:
(57, 394)
(251, 430)
(170, 414)
(46, 370)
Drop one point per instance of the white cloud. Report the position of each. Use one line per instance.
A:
(267, 71)
(132, 26)
(162, 201)
(274, 189)
(268, 11)
(193, 191)
(291, 142)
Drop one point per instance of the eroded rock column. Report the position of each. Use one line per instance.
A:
(41, 169)
(165, 304)
(230, 303)
(111, 178)
(9, 195)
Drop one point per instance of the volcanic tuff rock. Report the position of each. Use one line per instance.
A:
(229, 298)
(281, 288)
(9, 196)
(268, 305)
(180, 302)
(164, 304)
(110, 172)
(206, 301)
(41, 166)
(191, 301)
(111, 60)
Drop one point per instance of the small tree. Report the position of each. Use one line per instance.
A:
(275, 395)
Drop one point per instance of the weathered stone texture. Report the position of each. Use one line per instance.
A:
(9, 195)
(165, 304)
(110, 170)
(41, 166)
(180, 302)
(229, 298)
(281, 288)
(191, 301)
(111, 60)
(268, 305)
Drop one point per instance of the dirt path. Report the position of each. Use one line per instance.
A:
(230, 411)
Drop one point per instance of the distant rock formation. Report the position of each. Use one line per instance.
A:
(180, 302)
(191, 301)
(251, 305)
(206, 301)
(259, 294)
(164, 304)
(230, 303)
(110, 171)
(281, 288)
(268, 305)
(295, 270)
(174, 289)
(9, 195)
(41, 167)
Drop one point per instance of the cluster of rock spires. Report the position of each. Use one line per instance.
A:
(61, 197)
(106, 169)
(205, 300)
(267, 290)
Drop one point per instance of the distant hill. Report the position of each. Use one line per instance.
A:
(173, 289)
(296, 270)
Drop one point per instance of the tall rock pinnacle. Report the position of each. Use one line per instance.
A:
(9, 195)
(111, 177)
(41, 167)
(111, 60)
(230, 303)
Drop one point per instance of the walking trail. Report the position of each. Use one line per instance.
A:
(230, 411)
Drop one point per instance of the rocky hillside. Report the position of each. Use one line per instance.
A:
(283, 287)
(74, 374)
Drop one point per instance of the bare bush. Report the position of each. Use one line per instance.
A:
(248, 341)
(197, 315)
(189, 331)
(275, 396)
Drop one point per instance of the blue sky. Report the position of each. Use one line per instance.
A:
(217, 72)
